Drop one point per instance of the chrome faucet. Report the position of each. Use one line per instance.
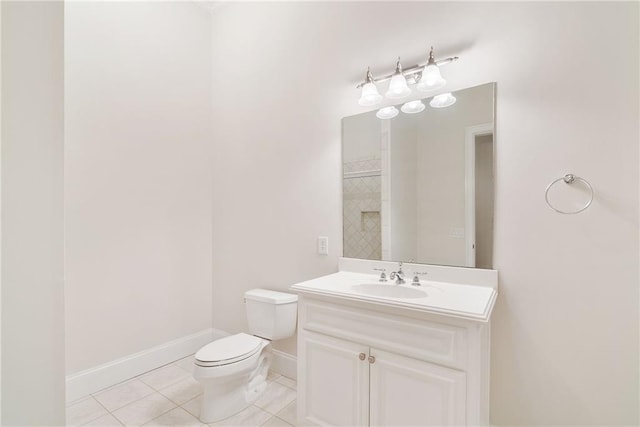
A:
(398, 276)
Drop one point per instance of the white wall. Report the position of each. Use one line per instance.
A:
(138, 177)
(363, 133)
(32, 214)
(403, 172)
(565, 331)
(277, 169)
(441, 174)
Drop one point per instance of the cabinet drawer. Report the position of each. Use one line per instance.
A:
(424, 340)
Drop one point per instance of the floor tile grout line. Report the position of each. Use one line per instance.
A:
(190, 400)
(166, 385)
(137, 377)
(171, 409)
(180, 404)
(120, 424)
(283, 420)
(153, 390)
(186, 370)
(185, 409)
(286, 406)
(112, 386)
(101, 415)
(67, 405)
(270, 418)
(289, 387)
(93, 395)
(147, 422)
(275, 414)
(129, 403)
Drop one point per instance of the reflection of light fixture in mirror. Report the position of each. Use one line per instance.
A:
(398, 87)
(387, 113)
(442, 101)
(431, 78)
(370, 95)
(413, 107)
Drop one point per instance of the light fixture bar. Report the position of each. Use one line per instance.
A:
(411, 70)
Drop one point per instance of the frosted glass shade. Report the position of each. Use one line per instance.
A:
(387, 113)
(431, 79)
(370, 95)
(413, 107)
(442, 101)
(398, 87)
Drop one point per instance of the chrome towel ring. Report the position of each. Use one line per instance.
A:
(569, 179)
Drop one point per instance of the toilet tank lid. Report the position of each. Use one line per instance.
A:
(272, 297)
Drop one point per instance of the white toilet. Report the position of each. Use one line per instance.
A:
(233, 370)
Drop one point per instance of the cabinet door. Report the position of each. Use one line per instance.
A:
(411, 392)
(333, 381)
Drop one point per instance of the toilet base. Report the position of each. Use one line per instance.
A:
(224, 397)
(218, 405)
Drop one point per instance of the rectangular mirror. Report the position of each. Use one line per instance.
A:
(420, 187)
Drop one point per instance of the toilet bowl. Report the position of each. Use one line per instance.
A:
(233, 370)
(233, 373)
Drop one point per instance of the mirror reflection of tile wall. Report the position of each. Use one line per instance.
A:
(361, 198)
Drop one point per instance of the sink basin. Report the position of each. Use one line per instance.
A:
(388, 290)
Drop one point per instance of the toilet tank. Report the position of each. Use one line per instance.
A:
(271, 315)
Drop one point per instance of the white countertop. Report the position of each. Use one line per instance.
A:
(459, 300)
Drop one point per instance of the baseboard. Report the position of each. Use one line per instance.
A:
(285, 364)
(100, 377)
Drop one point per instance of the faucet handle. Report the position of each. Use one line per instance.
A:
(416, 279)
(383, 276)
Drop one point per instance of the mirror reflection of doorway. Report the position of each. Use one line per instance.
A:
(484, 201)
(479, 195)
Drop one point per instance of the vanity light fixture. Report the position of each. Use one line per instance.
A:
(413, 107)
(442, 101)
(370, 95)
(426, 77)
(387, 113)
(431, 78)
(398, 87)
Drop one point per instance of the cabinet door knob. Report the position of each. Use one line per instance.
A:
(362, 356)
(372, 359)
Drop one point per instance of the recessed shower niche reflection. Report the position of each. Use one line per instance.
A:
(420, 187)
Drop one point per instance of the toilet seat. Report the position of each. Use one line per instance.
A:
(227, 350)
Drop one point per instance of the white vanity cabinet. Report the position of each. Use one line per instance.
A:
(336, 381)
(409, 392)
(363, 364)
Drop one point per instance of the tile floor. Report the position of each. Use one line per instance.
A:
(169, 396)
